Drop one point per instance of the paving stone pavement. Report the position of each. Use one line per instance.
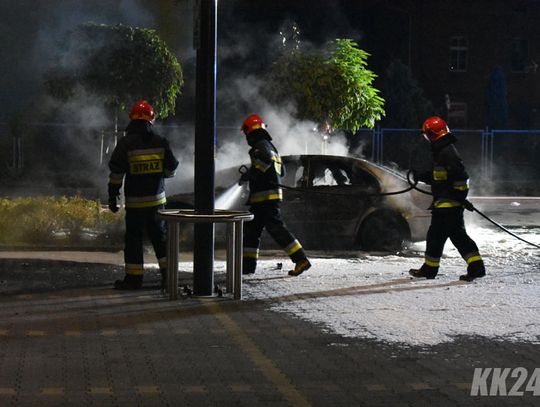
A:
(89, 345)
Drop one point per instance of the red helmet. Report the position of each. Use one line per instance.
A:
(253, 122)
(434, 128)
(142, 110)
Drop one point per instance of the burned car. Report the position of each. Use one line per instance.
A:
(332, 202)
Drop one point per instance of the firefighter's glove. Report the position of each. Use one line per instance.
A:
(113, 204)
(468, 205)
(243, 178)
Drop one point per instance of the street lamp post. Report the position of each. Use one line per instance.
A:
(205, 41)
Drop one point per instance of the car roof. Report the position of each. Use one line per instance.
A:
(370, 166)
(378, 171)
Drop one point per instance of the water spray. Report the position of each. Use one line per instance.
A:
(230, 197)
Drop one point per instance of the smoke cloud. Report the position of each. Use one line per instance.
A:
(239, 87)
(290, 136)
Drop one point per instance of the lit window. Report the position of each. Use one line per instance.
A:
(459, 47)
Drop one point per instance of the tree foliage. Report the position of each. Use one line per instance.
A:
(120, 64)
(332, 85)
(406, 106)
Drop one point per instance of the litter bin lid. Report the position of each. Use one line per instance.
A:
(191, 215)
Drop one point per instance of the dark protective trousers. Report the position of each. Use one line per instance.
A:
(449, 223)
(138, 223)
(268, 215)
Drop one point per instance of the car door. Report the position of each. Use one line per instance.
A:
(332, 205)
(294, 201)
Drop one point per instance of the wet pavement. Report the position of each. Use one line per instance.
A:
(67, 338)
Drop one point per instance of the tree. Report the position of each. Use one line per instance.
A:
(330, 86)
(119, 64)
(496, 103)
(406, 106)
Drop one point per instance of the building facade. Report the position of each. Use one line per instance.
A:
(478, 61)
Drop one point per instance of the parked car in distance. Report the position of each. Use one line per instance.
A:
(333, 207)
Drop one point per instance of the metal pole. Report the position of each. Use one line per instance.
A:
(205, 143)
(101, 148)
(172, 259)
(491, 141)
(238, 236)
(230, 257)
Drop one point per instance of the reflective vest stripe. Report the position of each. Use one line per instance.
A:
(293, 247)
(142, 151)
(145, 201)
(270, 195)
(134, 269)
(145, 157)
(146, 204)
(251, 252)
(432, 261)
(461, 185)
(446, 204)
(440, 174)
(277, 163)
(472, 257)
(261, 165)
(146, 161)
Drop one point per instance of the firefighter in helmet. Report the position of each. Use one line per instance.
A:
(450, 185)
(265, 199)
(143, 159)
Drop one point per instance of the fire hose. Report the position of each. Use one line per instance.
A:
(243, 170)
(471, 208)
(412, 185)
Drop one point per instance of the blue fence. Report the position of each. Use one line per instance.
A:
(507, 159)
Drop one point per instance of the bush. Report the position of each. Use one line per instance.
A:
(51, 220)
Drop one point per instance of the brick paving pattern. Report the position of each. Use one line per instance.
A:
(98, 347)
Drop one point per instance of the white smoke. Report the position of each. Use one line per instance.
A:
(244, 96)
(81, 125)
(290, 135)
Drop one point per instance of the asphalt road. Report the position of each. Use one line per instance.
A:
(512, 211)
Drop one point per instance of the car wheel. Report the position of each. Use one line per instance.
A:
(383, 230)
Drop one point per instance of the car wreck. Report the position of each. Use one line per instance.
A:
(333, 203)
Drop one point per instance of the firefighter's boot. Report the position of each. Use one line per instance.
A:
(300, 267)
(475, 270)
(425, 271)
(129, 282)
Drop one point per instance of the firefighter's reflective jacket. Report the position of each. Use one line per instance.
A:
(449, 180)
(144, 159)
(265, 172)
